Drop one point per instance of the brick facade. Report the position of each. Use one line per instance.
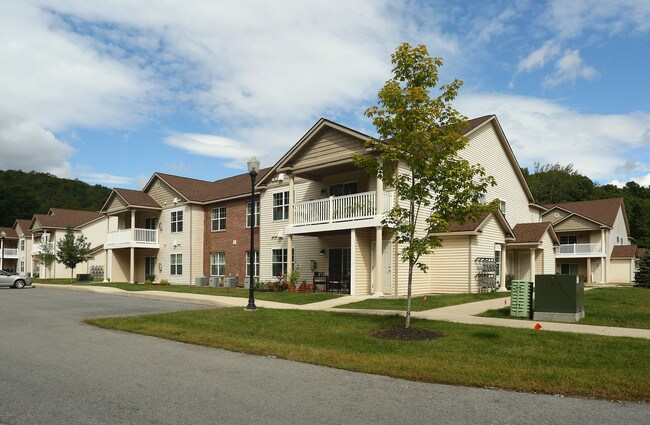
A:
(234, 241)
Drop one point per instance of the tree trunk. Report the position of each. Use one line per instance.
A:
(408, 295)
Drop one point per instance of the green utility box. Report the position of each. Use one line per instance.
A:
(559, 298)
(521, 298)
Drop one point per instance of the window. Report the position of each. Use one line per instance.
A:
(22, 266)
(279, 262)
(218, 218)
(497, 262)
(256, 263)
(502, 207)
(569, 269)
(22, 245)
(177, 221)
(281, 206)
(149, 266)
(343, 189)
(568, 240)
(257, 214)
(176, 264)
(218, 264)
(150, 223)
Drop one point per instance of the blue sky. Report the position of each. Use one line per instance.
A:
(109, 92)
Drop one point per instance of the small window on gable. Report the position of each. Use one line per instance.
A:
(502, 207)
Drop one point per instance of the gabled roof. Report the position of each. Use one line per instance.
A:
(475, 226)
(202, 191)
(532, 233)
(10, 232)
(59, 218)
(24, 226)
(624, 251)
(602, 211)
(132, 198)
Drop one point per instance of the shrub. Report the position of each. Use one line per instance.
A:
(163, 282)
(509, 279)
(148, 282)
(150, 276)
(642, 275)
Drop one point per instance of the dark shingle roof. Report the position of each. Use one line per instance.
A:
(24, 225)
(468, 226)
(137, 198)
(530, 232)
(475, 122)
(624, 251)
(10, 232)
(204, 191)
(62, 218)
(603, 211)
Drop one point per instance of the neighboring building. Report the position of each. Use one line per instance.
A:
(322, 215)
(594, 240)
(25, 263)
(166, 229)
(51, 227)
(8, 249)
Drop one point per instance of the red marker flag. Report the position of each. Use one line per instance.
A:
(537, 326)
(425, 298)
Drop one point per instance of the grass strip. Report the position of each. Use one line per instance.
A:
(478, 356)
(296, 298)
(418, 303)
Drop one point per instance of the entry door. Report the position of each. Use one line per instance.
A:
(339, 264)
(524, 265)
(149, 265)
(150, 223)
(386, 262)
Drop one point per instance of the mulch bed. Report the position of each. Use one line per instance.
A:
(406, 334)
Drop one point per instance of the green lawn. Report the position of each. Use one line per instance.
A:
(621, 307)
(283, 297)
(418, 303)
(469, 355)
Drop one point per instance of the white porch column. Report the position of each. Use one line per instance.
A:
(379, 268)
(289, 253)
(589, 279)
(107, 266)
(504, 269)
(132, 265)
(290, 237)
(380, 196)
(532, 264)
(353, 263)
(2, 252)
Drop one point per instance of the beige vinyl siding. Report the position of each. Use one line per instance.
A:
(575, 224)
(621, 270)
(450, 271)
(162, 193)
(183, 246)
(618, 229)
(362, 262)
(539, 261)
(196, 241)
(485, 148)
(549, 254)
(117, 204)
(329, 145)
(483, 247)
(550, 215)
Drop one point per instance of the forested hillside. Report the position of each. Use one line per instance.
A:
(555, 183)
(24, 194)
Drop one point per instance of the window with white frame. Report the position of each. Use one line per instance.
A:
(22, 244)
(218, 218)
(256, 263)
(217, 264)
(176, 264)
(571, 269)
(281, 206)
(279, 262)
(22, 266)
(257, 214)
(176, 221)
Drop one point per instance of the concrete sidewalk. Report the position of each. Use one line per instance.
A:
(463, 313)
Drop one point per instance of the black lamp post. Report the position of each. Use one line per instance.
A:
(3, 235)
(253, 169)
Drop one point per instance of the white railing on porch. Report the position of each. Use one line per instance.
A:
(10, 253)
(36, 249)
(358, 206)
(580, 249)
(123, 237)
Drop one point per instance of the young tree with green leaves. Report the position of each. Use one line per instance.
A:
(417, 153)
(72, 251)
(642, 275)
(46, 255)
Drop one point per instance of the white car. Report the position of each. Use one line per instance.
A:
(18, 282)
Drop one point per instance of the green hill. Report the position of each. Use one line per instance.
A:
(24, 194)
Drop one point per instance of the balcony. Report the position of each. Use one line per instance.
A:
(36, 250)
(10, 253)
(144, 238)
(577, 250)
(339, 212)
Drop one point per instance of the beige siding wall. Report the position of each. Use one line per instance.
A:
(330, 144)
(485, 148)
(362, 262)
(621, 271)
(116, 204)
(576, 224)
(618, 230)
(548, 255)
(196, 242)
(555, 215)
(176, 243)
(163, 194)
(483, 247)
(450, 271)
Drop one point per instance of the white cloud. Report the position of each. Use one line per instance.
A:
(538, 58)
(25, 145)
(547, 132)
(106, 179)
(208, 145)
(569, 68)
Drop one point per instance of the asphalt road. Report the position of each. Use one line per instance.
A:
(57, 370)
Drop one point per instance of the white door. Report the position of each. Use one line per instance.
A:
(386, 262)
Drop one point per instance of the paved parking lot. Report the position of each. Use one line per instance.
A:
(57, 370)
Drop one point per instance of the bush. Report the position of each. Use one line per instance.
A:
(148, 282)
(151, 277)
(163, 282)
(509, 279)
(642, 276)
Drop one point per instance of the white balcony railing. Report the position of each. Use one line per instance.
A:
(10, 253)
(578, 249)
(37, 247)
(358, 206)
(123, 237)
